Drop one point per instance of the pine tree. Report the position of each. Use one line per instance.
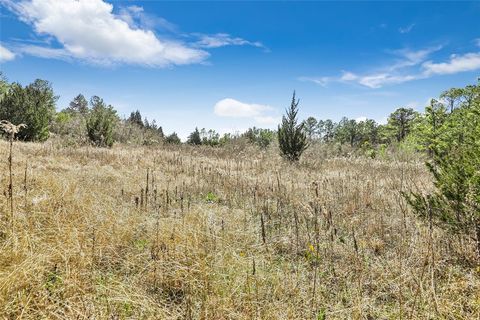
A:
(453, 144)
(292, 139)
(400, 122)
(194, 138)
(79, 105)
(160, 132)
(136, 117)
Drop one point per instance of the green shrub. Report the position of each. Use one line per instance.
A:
(261, 137)
(33, 105)
(173, 139)
(101, 122)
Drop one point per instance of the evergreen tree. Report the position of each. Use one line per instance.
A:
(292, 139)
(101, 123)
(78, 105)
(453, 142)
(368, 131)
(347, 131)
(311, 127)
(160, 132)
(400, 123)
(33, 105)
(328, 130)
(136, 118)
(194, 138)
(429, 127)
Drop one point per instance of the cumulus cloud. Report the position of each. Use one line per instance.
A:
(5, 54)
(224, 39)
(259, 113)
(233, 108)
(89, 31)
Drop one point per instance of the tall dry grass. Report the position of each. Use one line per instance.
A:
(223, 234)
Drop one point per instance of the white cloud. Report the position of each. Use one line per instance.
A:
(456, 63)
(406, 29)
(348, 76)
(233, 108)
(44, 52)
(5, 54)
(410, 58)
(223, 39)
(260, 114)
(89, 31)
(375, 81)
(390, 74)
(136, 17)
(411, 65)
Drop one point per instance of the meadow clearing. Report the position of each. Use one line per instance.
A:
(184, 232)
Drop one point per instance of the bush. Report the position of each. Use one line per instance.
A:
(33, 105)
(173, 139)
(101, 122)
(261, 137)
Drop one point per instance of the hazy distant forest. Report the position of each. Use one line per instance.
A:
(111, 218)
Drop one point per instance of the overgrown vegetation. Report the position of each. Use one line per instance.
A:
(453, 142)
(223, 228)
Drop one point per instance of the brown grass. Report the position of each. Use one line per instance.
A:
(332, 236)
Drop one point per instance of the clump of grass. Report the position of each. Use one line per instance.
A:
(211, 197)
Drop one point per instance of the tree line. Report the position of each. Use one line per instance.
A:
(96, 122)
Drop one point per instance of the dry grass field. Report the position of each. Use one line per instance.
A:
(228, 233)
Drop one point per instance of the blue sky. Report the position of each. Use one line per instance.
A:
(232, 65)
